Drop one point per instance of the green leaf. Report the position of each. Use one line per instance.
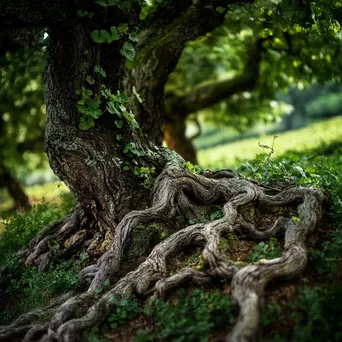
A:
(90, 80)
(128, 51)
(102, 3)
(122, 108)
(92, 103)
(86, 92)
(114, 35)
(105, 35)
(136, 94)
(81, 13)
(133, 37)
(95, 35)
(112, 108)
(106, 282)
(119, 123)
(86, 122)
(220, 9)
(122, 97)
(99, 70)
(129, 64)
(123, 4)
(126, 168)
(123, 28)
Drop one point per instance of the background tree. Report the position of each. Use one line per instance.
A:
(22, 118)
(97, 147)
(245, 62)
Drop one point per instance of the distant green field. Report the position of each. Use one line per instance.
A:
(232, 154)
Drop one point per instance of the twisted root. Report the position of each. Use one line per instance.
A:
(178, 191)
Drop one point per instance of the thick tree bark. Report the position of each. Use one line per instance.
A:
(162, 40)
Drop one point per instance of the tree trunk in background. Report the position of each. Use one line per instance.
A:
(178, 108)
(176, 139)
(161, 42)
(16, 191)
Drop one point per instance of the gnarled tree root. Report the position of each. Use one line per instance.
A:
(69, 231)
(178, 191)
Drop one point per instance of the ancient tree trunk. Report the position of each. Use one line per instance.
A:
(89, 162)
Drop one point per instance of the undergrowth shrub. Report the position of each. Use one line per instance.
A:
(190, 318)
(123, 311)
(24, 289)
(321, 168)
(316, 311)
(265, 250)
(20, 228)
(317, 314)
(29, 288)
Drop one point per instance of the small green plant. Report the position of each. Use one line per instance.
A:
(264, 250)
(205, 219)
(132, 150)
(195, 261)
(29, 289)
(192, 168)
(326, 260)
(271, 148)
(317, 314)
(103, 36)
(122, 312)
(190, 319)
(216, 215)
(146, 173)
(20, 228)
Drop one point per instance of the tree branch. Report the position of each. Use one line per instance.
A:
(209, 94)
(160, 45)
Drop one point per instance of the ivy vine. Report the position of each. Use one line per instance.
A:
(92, 105)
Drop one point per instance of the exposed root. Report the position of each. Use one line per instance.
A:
(66, 231)
(178, 191)
(248, 284)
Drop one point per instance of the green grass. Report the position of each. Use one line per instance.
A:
(24, 289)
(231, 155)
(36, 193)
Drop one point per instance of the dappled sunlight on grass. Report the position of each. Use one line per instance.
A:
(38, 193)
(49, 191)
(232, 154)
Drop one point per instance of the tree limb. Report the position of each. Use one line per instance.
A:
(209, 94)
